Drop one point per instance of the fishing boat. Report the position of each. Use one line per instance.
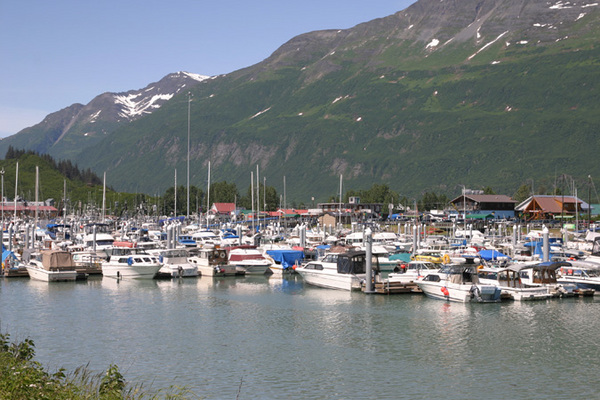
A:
(458, 283)
(349, 272)
(544, 275)
(212, 262)
(130, 263)
(52, 266)
(509, 282)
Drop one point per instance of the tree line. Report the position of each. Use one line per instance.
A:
(65, 167)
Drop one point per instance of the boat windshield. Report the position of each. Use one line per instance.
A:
(332, 258)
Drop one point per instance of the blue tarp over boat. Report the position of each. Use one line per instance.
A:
(491, 255)
(287, 258)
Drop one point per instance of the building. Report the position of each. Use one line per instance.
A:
(353, 209)
(540, 207)
(484, 205)
(28, 209)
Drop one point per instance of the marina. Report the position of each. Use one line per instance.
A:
(272, 338)
(230, 311)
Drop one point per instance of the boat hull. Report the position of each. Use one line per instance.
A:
(331, 279)
(130, 271)
(248, 268)
(51, 276)
(217, 270)
(179, 270)
(462, 293)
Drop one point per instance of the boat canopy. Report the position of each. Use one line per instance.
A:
(54, 260)
(355, 262)
(488, 255)
(287, 258)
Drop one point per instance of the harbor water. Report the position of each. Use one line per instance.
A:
(276, 338)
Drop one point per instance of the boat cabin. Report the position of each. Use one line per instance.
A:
(542, 273)
(355, 262)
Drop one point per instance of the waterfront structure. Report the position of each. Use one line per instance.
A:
(484, 206)
(541, 207)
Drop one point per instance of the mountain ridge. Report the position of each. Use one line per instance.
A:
(440, 94)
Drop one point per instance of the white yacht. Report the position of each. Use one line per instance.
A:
(130, 263)
(349, 272)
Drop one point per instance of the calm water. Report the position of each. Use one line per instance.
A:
(272, 338)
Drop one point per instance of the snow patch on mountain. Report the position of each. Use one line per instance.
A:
(196, 77)
(260, 113)
(132, 108)
(487, 45)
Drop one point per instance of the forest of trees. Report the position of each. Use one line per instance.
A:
(65, 167)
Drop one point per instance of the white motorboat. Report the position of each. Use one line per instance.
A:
(176, 264)
(203, 238)
(212, 262)
(52, 266)
(349, 272)
(249, 261)
(507, 279)
(130, 263)
(407, 273)
(458, 283)
(584, 276)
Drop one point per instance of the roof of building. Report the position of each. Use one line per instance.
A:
(485, 198)
(223, 208)
(549, 203)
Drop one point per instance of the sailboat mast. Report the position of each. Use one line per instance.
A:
(208, 196)
(37, 187)
(340, 203)
(16, 190)
(175, 209)
(104, 199)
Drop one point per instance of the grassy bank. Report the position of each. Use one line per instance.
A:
(21, 377)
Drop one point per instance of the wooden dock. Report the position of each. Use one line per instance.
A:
(394, 288)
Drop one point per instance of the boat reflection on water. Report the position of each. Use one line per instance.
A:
(129, 284)
(285, 283)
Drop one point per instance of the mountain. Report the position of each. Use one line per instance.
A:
(445, 93)
(64, 133)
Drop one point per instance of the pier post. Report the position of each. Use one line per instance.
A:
(546, 245)
(94, 242)
(415, 239)
(369, 258)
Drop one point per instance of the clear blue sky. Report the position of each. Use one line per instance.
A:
(56, 53)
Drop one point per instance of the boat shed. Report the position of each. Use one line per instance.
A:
(496, 205)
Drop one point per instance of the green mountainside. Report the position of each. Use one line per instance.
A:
(84, 189)
(489, 93)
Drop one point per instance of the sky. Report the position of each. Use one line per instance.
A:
(57, 53)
